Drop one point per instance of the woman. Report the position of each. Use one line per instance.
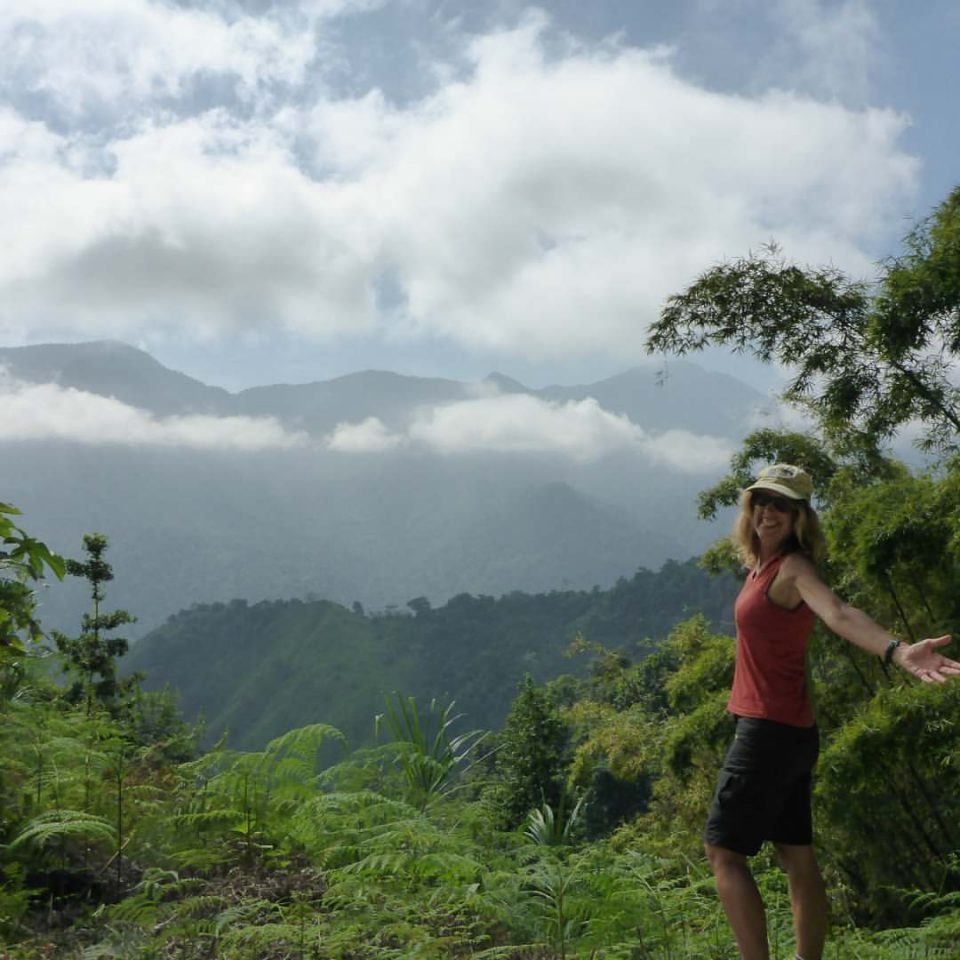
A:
(764, 787)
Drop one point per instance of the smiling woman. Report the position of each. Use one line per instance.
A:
(764, 789)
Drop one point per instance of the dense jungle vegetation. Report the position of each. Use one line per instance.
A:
(259, 670)
(573, 830)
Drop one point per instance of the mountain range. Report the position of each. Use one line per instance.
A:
(371, 488)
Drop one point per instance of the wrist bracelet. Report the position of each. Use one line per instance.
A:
(888, 654)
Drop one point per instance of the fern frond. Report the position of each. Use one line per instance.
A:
(512, 952)
(262, 936)
(239, 912)
(304, 742)
(222, 817)
(202, 858)
(201, 905)
(60, 824)
(159, 884)
(140, 910)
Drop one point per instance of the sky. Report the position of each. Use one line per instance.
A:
(260, 192)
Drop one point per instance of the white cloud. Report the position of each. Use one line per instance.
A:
(829, 47)
(112, 54)
(368, 436)
(522, 423)
(207, 227)
(50, 412)
(519, 423)
(549, 208)
(535, 206)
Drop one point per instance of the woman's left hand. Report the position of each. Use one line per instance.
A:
(924, 662)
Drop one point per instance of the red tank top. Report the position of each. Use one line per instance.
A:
(770, 677)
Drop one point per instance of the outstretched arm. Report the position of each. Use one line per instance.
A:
(922, 659)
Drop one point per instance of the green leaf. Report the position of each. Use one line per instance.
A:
(60, 824)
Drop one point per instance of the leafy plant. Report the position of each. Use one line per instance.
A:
(428, 753)
(546, 828)
(24, 562)
(92, 656)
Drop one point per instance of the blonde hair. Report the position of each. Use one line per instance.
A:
(806, 538)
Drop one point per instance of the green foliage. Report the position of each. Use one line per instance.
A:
(550, 828)
(358, 874)
(427, 752)
(60, 827)
(155, 721)
(241, 802)
(92, 656)
(112, 847)
(261, 669)
(906, 739)
(24, 562)
(661, 723)
(885, 538)
(553, 887)
(532, 753)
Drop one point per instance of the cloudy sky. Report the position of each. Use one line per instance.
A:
(262, 192)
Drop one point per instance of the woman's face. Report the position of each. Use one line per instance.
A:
(773, 517)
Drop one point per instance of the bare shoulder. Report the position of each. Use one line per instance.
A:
(798, 564)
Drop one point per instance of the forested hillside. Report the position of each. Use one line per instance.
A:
(258, 670)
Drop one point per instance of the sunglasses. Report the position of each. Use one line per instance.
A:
(780, 504)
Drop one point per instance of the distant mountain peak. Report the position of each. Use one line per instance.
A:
(504, 383)
(112, 368)
(46, 358)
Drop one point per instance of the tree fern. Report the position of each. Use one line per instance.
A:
(251, 796)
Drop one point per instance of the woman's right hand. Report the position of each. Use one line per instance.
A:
(923, 661)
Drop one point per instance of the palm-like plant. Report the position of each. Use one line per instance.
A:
(546, 828)
(428, 754)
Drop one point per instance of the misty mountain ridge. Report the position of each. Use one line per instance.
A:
(191, 525)
(111, 368)
(672, 398)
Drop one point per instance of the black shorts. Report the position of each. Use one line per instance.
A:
(764, 788)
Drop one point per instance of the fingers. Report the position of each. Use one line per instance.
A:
(947, 666)
(932, 667)
(939, 674)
